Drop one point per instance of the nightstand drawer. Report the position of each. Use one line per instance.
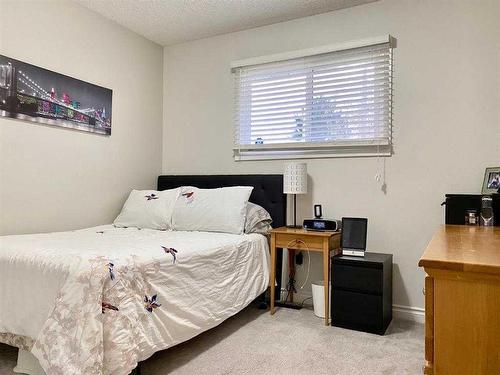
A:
(293, 241)
(358, 279)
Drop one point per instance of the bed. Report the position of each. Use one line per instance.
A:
(102, 299)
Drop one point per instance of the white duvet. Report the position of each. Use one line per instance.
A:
(98, 300)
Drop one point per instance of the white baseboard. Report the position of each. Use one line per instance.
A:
(399, 312)
(413, 314)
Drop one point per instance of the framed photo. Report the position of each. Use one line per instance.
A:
(491, 182)
(31, 93)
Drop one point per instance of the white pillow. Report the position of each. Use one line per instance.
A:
(148, 209)
(212, 210)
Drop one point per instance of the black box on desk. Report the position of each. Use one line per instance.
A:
(362, 292)
(457, 206)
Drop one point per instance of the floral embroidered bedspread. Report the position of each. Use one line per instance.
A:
(97, 301)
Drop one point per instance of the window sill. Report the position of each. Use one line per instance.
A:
(338, 152)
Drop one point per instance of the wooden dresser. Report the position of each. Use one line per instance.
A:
(462, 301)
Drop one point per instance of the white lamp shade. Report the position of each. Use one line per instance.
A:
(295, 178)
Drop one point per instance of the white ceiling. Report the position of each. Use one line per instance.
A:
(174, 21)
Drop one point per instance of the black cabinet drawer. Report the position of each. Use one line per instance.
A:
(359, 279)
(357, 311)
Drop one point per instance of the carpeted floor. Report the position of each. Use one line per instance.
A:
(290, 342)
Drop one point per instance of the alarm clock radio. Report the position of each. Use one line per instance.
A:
(322, 224)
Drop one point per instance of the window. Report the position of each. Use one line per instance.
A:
(329, 101)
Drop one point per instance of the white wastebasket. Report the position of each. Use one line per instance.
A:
(319, 298)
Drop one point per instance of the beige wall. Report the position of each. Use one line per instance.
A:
(446, 118)
(56, 179)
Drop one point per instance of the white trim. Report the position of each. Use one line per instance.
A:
(312, 145)
(409, 313)
(311, 156)
(313, 51)
(340, 152)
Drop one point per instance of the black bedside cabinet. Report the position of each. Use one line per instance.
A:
(362, 292)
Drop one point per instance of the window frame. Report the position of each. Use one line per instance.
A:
(336, 148)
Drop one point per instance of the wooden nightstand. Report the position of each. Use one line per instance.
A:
(301, 239)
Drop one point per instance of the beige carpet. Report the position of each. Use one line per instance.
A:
(290, 342)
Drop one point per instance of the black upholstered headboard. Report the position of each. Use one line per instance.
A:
(267, 192)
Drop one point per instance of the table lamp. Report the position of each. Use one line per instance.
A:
(295, 182)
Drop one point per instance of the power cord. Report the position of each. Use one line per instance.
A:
(304, 300)
(290, 287)
(308, 260)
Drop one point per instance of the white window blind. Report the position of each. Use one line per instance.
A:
(335, 103)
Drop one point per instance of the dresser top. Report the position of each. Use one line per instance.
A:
(464, 248)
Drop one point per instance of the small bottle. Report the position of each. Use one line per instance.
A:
(471, 218)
